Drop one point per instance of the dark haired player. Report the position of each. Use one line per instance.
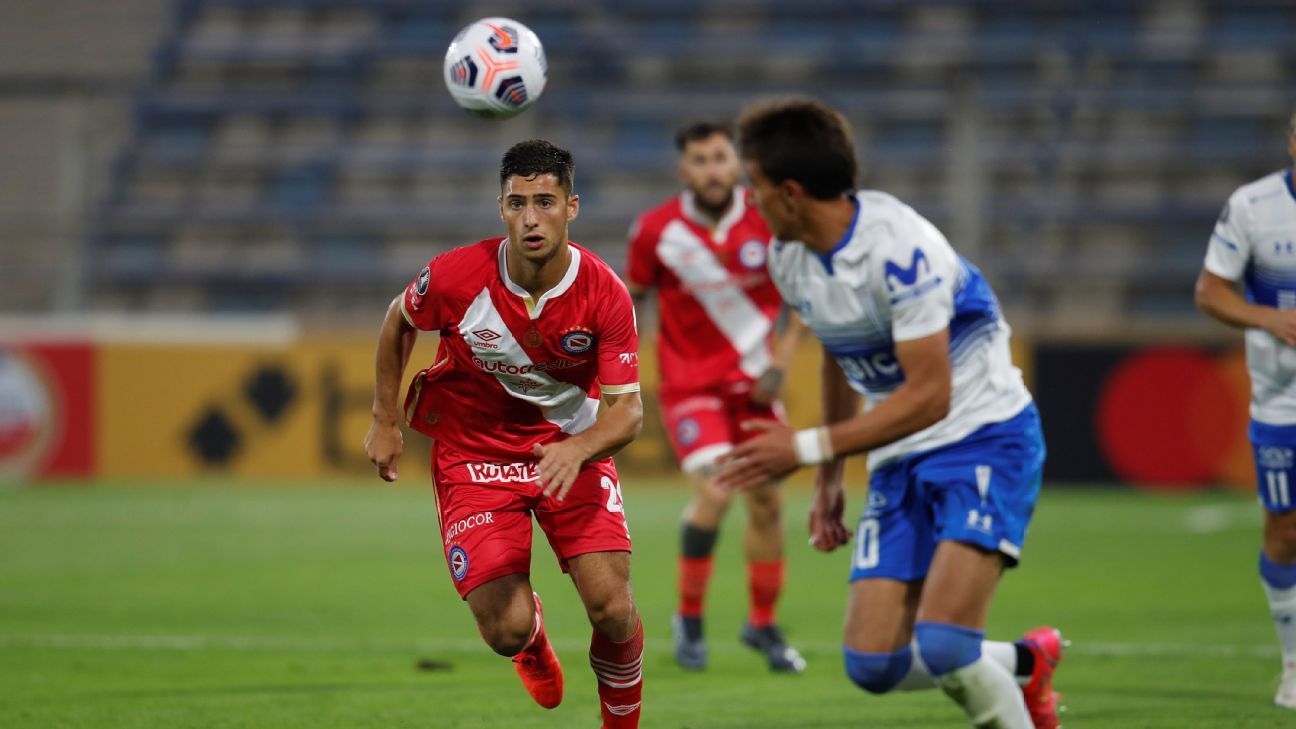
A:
(704, 252)
(954, 445)
(535, 331)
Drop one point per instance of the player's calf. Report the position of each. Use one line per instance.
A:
(618, 666)
(985, 690)
(537, 665)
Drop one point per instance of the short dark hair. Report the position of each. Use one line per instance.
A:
(802, 140)
(538, 157)
(699, 130)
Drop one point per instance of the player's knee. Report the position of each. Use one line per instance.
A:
(763, 506)
(945, 648)
(611, 614)
(712, 499)
(507, 638)
(877, 673)
(1282, 532)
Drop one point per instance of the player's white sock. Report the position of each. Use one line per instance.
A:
(1279, 582)
(919, 678)
(1282, 605)
(988, 694)
(1005, 654)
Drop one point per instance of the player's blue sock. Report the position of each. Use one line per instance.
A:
(1279, 582)
(984, 689)
(945, 647)
(1277, 576)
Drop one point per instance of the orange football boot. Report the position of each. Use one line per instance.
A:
(538, 667)
(1046, 644)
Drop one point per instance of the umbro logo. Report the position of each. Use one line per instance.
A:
(488, 335)
(623, 710)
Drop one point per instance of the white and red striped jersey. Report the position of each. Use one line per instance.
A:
(511, 371)
(715, 299)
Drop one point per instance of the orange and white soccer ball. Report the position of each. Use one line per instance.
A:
(496, 68)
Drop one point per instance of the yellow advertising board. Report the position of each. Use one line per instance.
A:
(300, 410)
(296, 410)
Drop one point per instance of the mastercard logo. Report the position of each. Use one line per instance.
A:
(1173, 418)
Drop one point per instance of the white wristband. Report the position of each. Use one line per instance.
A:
(813, 446)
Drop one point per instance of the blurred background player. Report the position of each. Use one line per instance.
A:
(704, 252)
(954, 440)
(532, 328)
(1255, 241)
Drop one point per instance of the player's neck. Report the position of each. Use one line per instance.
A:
(537, 277)
(713, 214)
(827, 222)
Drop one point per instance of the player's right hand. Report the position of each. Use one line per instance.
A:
(383, 445)
(827, 530)
(1282, 324)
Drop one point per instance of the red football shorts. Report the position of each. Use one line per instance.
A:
(704, 426)
(485, 513)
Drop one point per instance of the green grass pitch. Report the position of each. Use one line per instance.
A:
(221, 606)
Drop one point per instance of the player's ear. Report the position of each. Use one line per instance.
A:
(573, 206)
(791, 192)
(500, 200)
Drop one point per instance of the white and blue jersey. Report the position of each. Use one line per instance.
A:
(1255, 241)
(893, 278)
(974, 476)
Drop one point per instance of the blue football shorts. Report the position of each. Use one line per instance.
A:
(1273, 447)
(980, 490)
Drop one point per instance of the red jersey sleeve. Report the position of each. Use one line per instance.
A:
(642, 264)
(423, 303)
(618, 366)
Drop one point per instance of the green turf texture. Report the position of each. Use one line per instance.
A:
(223, 606)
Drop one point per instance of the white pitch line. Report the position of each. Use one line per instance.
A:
(1221, 517)
(183, 643)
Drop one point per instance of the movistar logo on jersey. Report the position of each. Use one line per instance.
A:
(899, 278)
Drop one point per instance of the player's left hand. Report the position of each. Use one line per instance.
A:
(767, 386)
(764, 459)
(560, 464)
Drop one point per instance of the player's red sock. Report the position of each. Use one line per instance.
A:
(618, 666)
(694, 573)
(764, 582)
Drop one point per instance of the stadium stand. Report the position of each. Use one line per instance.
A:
(302, 155)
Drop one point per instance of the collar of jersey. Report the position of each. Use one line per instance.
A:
(726, 222)
(1287, 177)
(826, 258)
(535, 306)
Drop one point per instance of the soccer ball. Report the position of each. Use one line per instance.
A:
(495, 68)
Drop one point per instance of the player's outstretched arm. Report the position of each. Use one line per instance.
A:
(787, 333)
(618, 424)
(921, 401)
(384, 442)
(1218, 297)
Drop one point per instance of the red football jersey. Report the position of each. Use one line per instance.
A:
(512, 371)
(715, 298)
